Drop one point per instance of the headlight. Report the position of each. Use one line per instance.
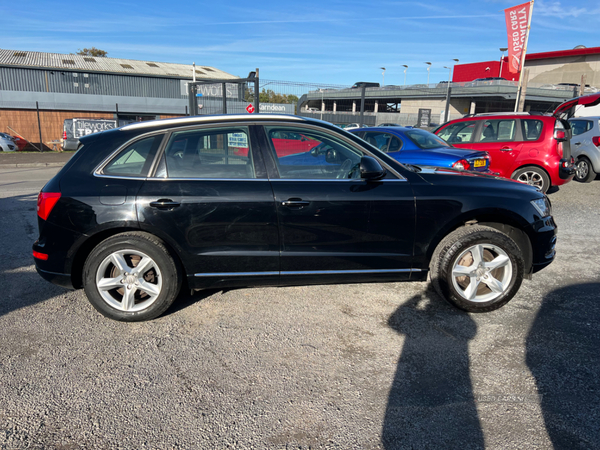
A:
(542, 205)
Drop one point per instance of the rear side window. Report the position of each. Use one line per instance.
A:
(135, 160)
(210, 153)
(384, 141)
(499, 130)
(458, 132)
(532, 129)
(580, 126)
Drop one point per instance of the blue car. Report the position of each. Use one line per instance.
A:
(419, 147)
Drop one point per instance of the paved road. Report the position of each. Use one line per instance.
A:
(357, 366)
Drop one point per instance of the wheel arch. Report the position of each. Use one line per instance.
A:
(89, 244)
(523, 166)
(511, 226)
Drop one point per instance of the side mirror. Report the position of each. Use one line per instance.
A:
(370, 169)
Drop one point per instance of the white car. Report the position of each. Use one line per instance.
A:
(585, 147)
(7, 143)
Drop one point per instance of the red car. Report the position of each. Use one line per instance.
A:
(527, 147)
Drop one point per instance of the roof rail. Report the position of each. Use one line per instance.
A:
(506, 113)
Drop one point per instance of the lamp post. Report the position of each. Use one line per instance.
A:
(450, 71)
(405, 69)
(502, 49)
(428, 67)
(322, 103)
(383, 75)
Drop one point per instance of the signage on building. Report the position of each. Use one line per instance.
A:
(212, 90)
(424, 118)
(277, 108)
(83, 127)
(250, 108)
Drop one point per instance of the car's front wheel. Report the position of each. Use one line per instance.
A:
(477, 268)
(584, 172)
(131, 277)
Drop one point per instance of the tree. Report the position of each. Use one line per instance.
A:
(92, 52)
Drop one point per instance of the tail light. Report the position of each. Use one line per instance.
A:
(42, 256)
(45, 203)
(65, 135)
(462, 164)
(596, 141)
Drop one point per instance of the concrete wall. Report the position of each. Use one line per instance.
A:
(457, 105)
(565, 70)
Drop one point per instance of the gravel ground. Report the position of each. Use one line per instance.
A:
(321, 367)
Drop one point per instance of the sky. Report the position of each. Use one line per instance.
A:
(328, 41)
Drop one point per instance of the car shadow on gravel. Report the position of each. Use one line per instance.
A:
(431, 402)
(563, 354)
(186, 299)
(20, 284)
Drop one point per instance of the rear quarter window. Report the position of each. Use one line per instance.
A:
(532, 129)
(135, 159)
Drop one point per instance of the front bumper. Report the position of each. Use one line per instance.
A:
(543, 243)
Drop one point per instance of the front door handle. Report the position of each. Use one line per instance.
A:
(506, 149)
(577, 143)
(295, 203)
(164, 203)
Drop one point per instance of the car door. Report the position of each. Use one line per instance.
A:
(501, 138)
(210, 199)
(581, 142)
(334, 225)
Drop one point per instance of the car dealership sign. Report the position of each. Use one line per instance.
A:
(518, 22)
(277, 108)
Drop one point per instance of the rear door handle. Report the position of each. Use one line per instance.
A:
(506, 149)
(295, 203)
(164, 203)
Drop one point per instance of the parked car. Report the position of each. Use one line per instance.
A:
(419, 147)
(585, 147)
(21, 143)
(528, 147)
(352, 126)
(389, 125)
(7, 143)
(485, 81)
(132, 225)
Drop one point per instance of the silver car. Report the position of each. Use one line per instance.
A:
(7, 143)
(585, 147)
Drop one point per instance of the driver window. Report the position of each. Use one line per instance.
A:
(312, 154)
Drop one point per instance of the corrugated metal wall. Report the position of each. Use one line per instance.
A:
(32, 80)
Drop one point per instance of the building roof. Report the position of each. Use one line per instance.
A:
(563, 53)
(60, 61)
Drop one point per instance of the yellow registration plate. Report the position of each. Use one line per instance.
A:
(479, 163)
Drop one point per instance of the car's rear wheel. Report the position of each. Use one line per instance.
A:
(533, 176)
(477, 268)
(584, 172)
(131, 277)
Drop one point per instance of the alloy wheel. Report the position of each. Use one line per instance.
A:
(129, 280)
(482, 273)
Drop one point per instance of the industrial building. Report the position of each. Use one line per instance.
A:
(66, 86)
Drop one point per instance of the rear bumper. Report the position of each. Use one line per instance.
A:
(60, 279)
(566, 170)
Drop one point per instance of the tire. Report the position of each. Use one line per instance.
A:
(502, 268)
(534, 176)
(116, 288)
(584, 172)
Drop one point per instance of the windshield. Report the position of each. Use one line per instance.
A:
(425, 140)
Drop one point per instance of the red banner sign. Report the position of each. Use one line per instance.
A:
(250, 108)
(517, 23)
